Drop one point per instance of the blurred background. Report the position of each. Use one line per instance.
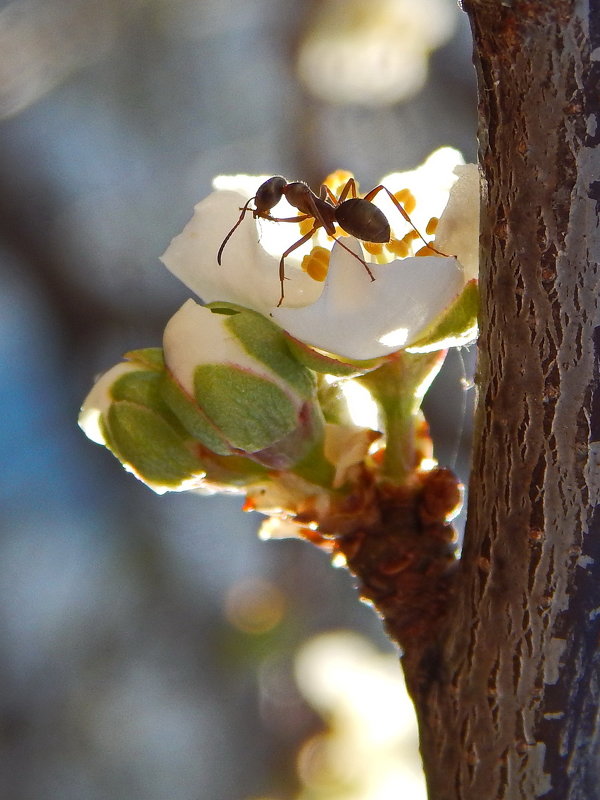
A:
(152, 647)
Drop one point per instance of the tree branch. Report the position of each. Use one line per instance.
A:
(510, 711)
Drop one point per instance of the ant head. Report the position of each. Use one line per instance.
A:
(269, 193)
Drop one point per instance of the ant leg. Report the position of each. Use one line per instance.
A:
(299, 218)
(320, 220)
(327, 195)
(398, 205)
(358, 258)
(291, 249)
(349, 187)
(302, 241)
(257, 214)
(244, 211)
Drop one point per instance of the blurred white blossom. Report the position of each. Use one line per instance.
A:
(372, 53)
(369, 750)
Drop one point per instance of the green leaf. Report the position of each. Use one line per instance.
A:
(146, 389)
(292, 449)
(333, 402)
(252, 413)
(457, 325)
(141, 438)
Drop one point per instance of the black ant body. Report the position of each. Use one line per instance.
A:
(358, 216)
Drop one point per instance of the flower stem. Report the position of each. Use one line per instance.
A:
(398, 387)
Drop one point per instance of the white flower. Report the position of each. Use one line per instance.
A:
(352, 316)
(373, 53)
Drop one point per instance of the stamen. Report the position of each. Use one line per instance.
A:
(407, 198)
(410, 236)
(337, 180)
(339, 233)
(306, 225)
(431, 227)
(398, 247)
(426, 250)
(374, 248)
(316, 263)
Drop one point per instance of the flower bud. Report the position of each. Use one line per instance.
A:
(235, 386)
(125, 411)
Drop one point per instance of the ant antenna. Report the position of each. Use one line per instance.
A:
(244, 211)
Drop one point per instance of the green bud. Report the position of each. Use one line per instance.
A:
(155, 450)
(234, 384)
(127, 411)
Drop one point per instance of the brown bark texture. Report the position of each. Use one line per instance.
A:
(507, 697)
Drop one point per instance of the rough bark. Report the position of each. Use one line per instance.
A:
(507, 700)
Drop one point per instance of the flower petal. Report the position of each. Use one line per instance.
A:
(249, 271)
(458, 228)
(429, 183)
(345, 446)
(99, 400)
(359, 318)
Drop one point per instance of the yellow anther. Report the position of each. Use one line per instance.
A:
(338, 232)
(398, 247)
(426, 251)
(410, 236)
(316, 263)
(337, 180)
(374, 248)
(431, 226)
(407, 199)
(306, 225)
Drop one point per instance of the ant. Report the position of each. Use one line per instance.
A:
(358, 216)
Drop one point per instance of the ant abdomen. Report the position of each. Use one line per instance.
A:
(363, 219)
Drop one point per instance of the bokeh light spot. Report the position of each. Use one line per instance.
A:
(254, 605)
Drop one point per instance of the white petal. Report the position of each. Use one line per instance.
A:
(249, 272)
(345, 446)
(193, 336)
(430, 184)
(458, 229)
(242, 183)
(358, 318)
(99, 399)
